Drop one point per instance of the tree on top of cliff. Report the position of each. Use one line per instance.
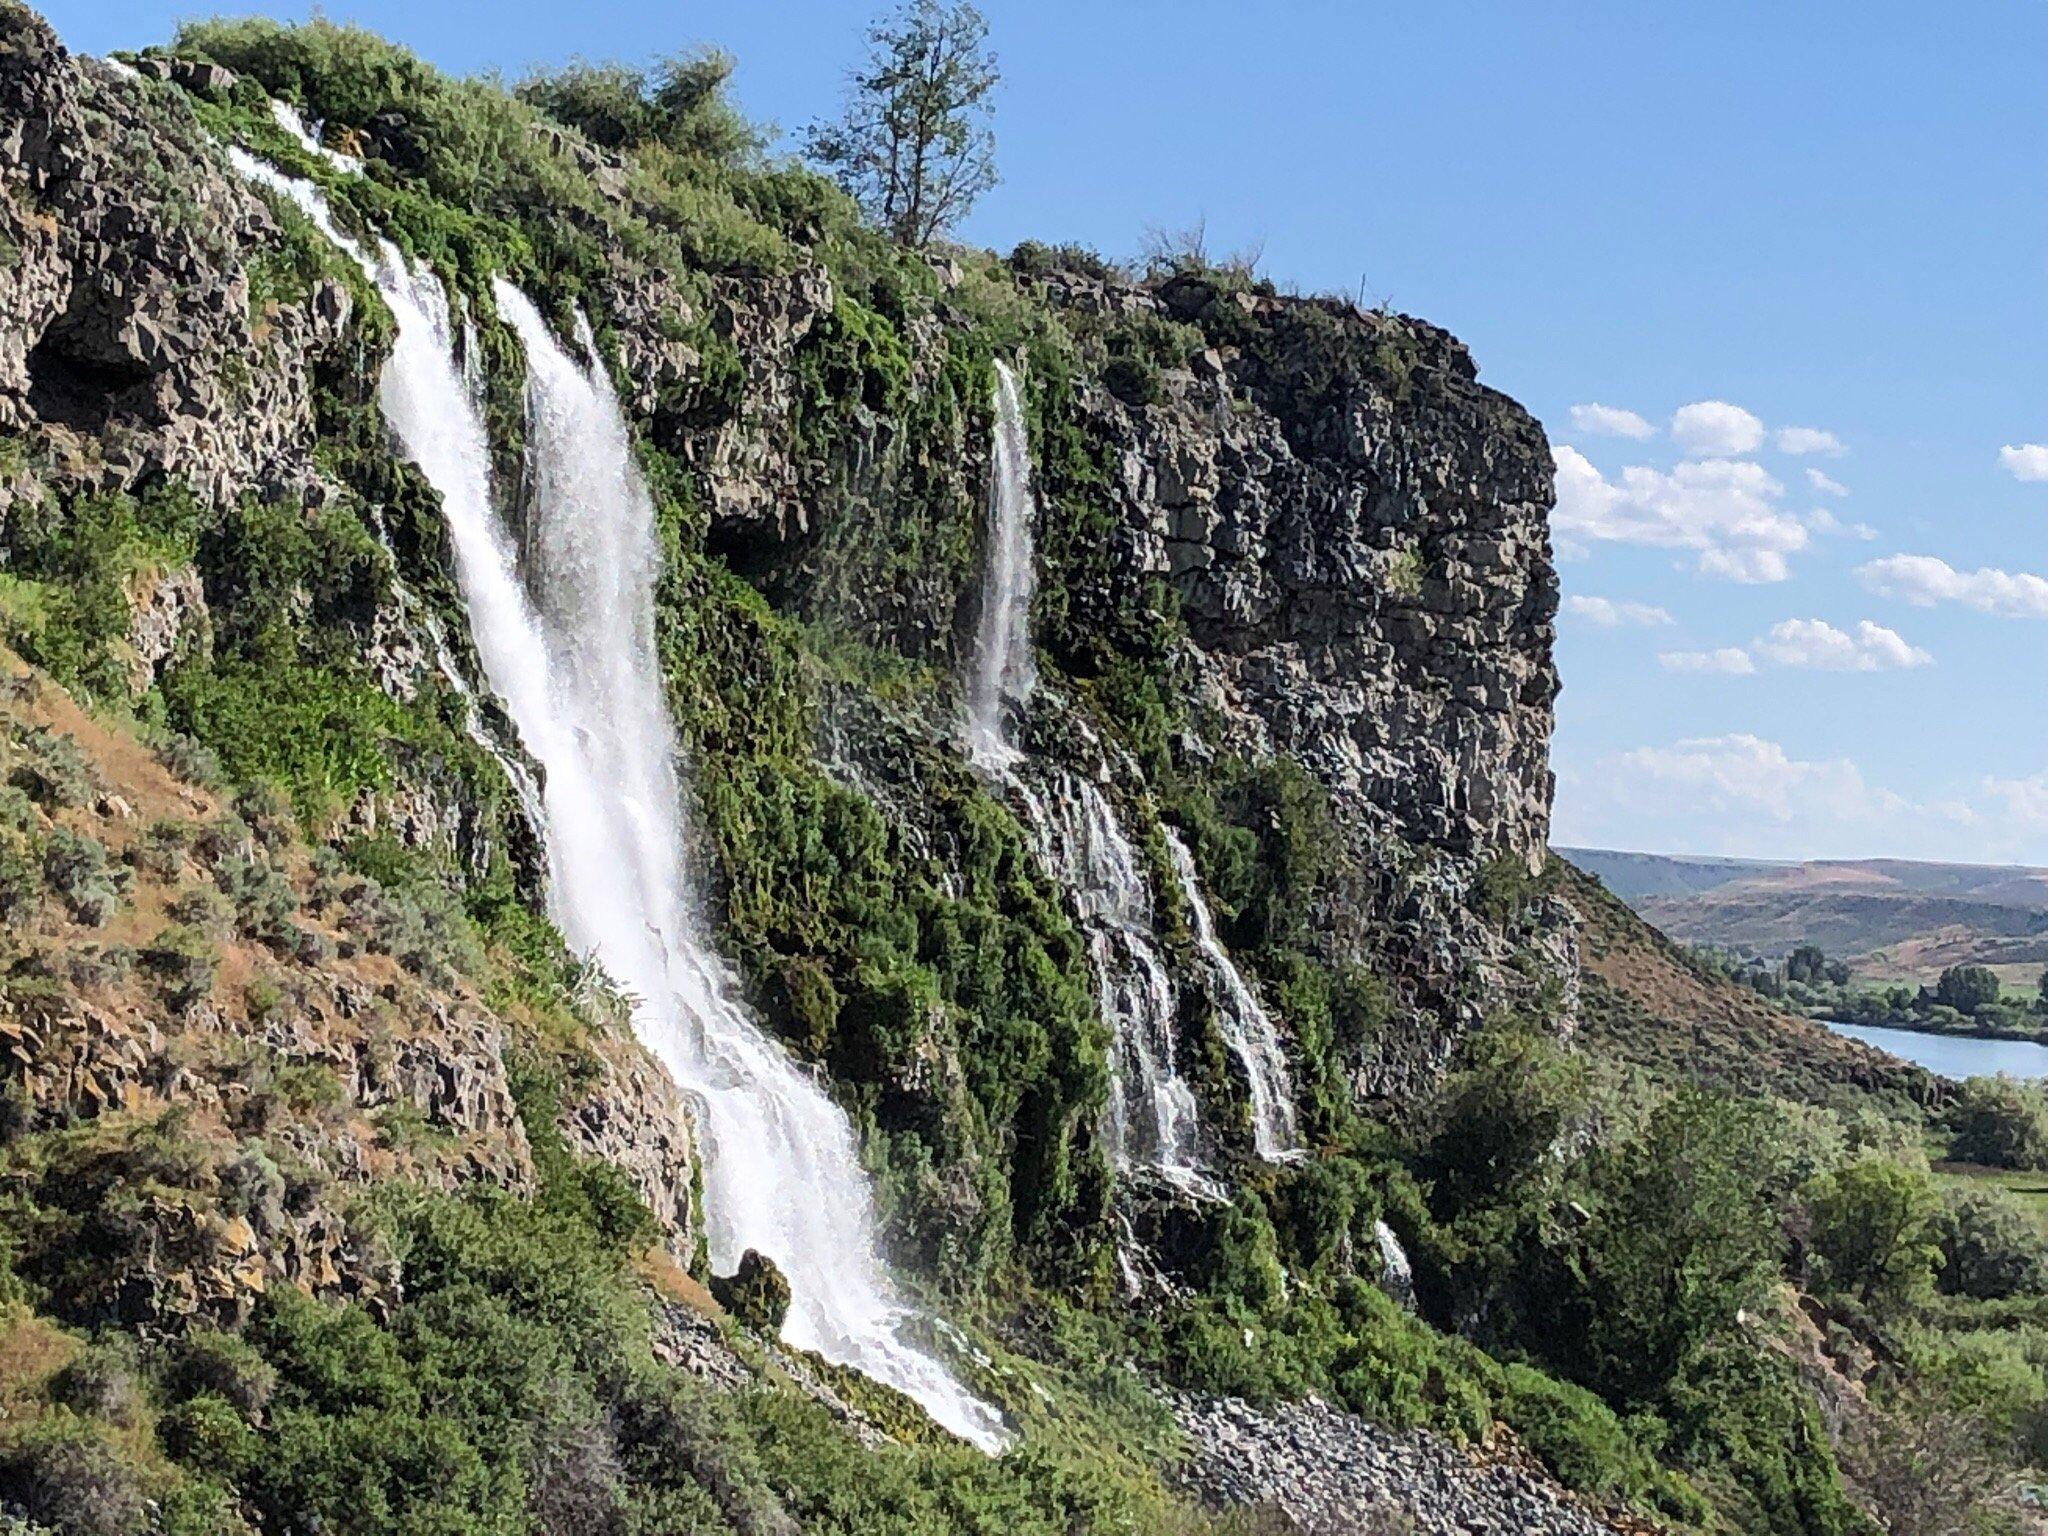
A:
(913, 146)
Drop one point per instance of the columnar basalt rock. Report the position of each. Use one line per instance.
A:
(1358, 532)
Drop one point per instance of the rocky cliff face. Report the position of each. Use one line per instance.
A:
(161, 337)
(1358, 534)
(1351, 529)
(136, 342)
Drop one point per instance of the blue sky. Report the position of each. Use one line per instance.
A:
(1823, 216)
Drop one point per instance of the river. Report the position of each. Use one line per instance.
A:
(1956, 1056)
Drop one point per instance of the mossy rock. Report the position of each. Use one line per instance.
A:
(756, 1293)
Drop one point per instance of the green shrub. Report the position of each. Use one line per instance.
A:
(193, 761)
(161, 847)
(102, 1381)
(182, 961)
(94, 965)
(70, 1475)
(1872, 1232)
(203, 909)
(1683, 1239)
(21, 876)
(1576, 1435)
(756, 1293)
(263, 899)
(77, 870)
(1498, 1118)
(1991, 1246)
(2000, 1122)
(208, 1436)
(51, 770)
(224, 1367)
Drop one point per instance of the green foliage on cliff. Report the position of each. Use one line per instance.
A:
(870, 954)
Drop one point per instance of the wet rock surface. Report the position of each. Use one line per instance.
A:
(1334, 1474)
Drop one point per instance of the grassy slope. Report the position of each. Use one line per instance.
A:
(381, 1417)
(1646, 1004)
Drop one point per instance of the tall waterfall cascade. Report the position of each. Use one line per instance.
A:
(566, 635)
(1248, 1029)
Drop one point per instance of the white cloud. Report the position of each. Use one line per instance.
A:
(1827, 485)
(1816, 645)
(1746, 775)
(2021, 801)
(1714, 427)
(1725, 511)
(1729, 660)
(1609, 613)
(1598, 420)
(2025, 461)
(1923, 581)
(1744, 795)
(1809, 440)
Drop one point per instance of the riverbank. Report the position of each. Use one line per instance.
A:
(1964, 1029)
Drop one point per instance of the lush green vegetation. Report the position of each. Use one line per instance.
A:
(512, 1389)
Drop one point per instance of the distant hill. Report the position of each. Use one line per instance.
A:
(1645, 1002)
(1891, 919)
(1634, 876)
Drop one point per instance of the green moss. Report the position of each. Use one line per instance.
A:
(873, 956)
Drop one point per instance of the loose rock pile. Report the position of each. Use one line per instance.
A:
(1336, 1475)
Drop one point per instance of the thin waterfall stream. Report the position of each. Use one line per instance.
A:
(1248, 1029)
(1153, 1121)
(565, 631)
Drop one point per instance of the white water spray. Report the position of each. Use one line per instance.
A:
(574, 663)
(1153, 1121)
(1248, 1028)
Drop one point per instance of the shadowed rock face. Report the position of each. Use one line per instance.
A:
(1358, 532)
(126, 330)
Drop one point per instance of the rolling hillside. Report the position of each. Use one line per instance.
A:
(1892, 919)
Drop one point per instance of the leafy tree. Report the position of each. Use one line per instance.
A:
(914, 147)
(1806, 963)
(1966, 988)
(1684, 1238)
(2001, 1123)
(1499, 1118)
(680, 103)
(1873, 1231)
(1991, 1247)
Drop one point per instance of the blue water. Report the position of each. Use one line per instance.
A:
(1955, 1056)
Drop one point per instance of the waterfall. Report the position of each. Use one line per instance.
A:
(1248, 1028)
(1005, 671)
(1152, 1120)
(567, 642)
(1397, 1275)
